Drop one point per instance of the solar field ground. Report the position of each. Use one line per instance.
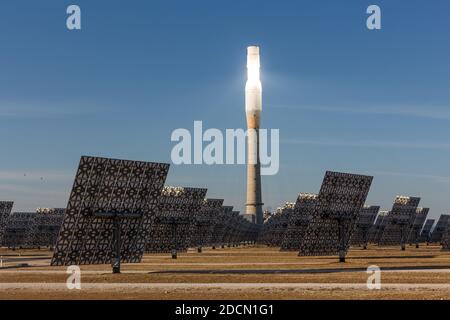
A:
(238, 273)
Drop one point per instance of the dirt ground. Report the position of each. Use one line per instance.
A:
(250, 272)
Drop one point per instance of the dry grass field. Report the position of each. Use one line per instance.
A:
(250, 272)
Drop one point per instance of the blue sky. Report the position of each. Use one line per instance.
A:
(344, 98)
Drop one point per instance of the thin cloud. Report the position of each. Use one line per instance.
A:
(414, 175)
(45, 110)
(20, 190)
(30, 176)
(371, 144)
(29, 198)
(419, 112)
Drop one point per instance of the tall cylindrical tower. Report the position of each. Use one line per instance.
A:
(253, 108)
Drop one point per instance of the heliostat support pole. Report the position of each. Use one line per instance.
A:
(116, 236)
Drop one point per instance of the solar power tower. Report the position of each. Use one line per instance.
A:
(298, 221)
(419, 220)
(18, 230)
(338, 205)
(5, 211)
(377, 229)
(399, 221)
(204, 223)
(366, 218)
(425, 234)
(440, 229)
(171, 226)
(108, 216)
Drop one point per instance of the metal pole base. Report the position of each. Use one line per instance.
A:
(199, 249)
(117, 244)
(341, 256)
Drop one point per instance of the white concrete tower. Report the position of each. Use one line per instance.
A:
(253, 108)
